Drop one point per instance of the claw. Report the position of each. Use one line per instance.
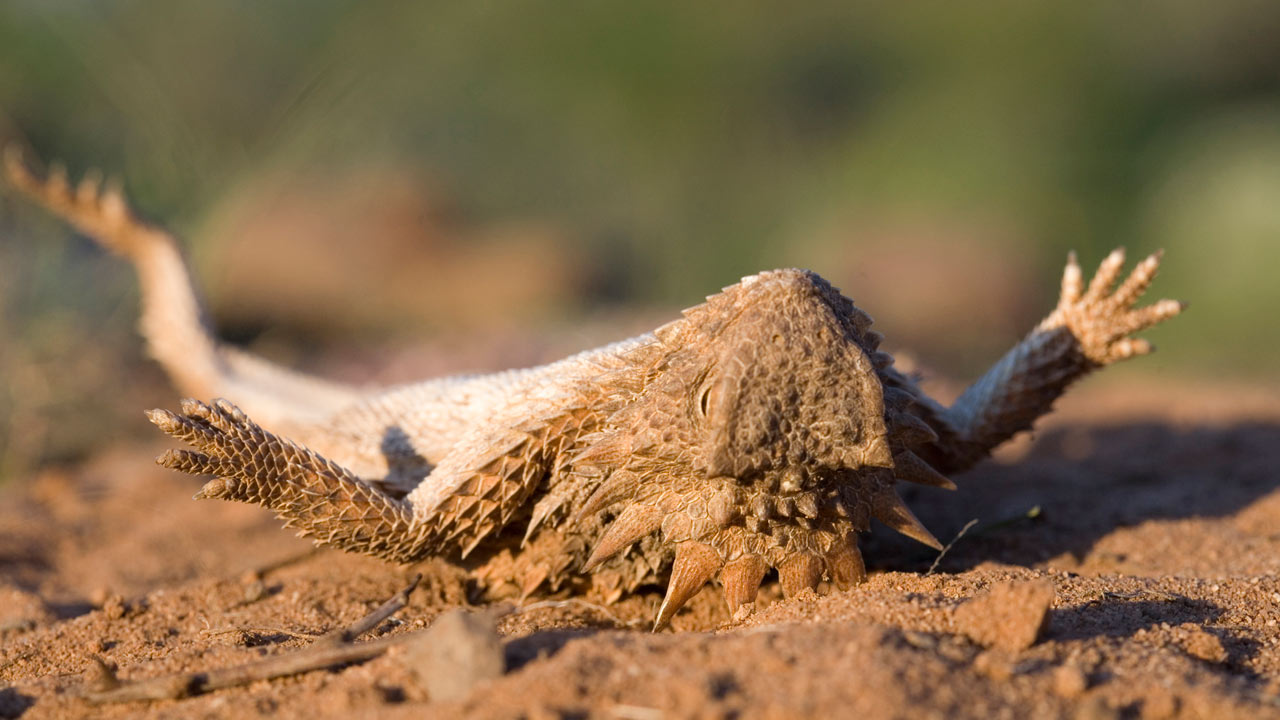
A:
(1072, 280)
(87, 190)
(184, 428)
(1131, 347)
(216, 488)
(1100, 319)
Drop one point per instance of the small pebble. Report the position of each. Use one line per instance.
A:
(1010, 616)
(100, 676)
(114, 607)
(255, 591)
(458, 652)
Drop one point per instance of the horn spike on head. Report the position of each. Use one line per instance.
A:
(910, 430)
(909, 467)
(889, 509)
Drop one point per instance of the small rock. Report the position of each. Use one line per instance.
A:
(459, 651)
(254, 591)
(114, 607)
(100, 676)
(1204, 645)
(1069, 682)
(1010, 616)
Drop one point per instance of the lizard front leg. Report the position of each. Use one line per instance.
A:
(1089, 329)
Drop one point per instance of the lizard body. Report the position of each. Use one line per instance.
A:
(764, 429)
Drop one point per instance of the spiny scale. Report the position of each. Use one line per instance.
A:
(694, 565)
(909, 430)
(620, 485)
(844, 563)
(800, 571)
(634, 523)
(909, 467)
(780, 349)
(889, 509)
(741, 579)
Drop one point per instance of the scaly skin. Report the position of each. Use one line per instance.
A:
(763, 429)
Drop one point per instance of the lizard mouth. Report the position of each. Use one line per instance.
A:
(803, 524)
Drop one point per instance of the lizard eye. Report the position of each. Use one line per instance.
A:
(704, 399)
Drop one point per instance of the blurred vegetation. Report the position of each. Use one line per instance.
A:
(936, 160)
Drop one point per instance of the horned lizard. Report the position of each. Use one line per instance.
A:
(761, 429)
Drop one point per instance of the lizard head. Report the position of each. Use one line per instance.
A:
(756, 432)
(790, 388)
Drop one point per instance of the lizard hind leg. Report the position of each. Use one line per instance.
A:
(318, 497)
(173, 318)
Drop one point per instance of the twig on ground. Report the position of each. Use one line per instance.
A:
(329, 650)
(954, 540)
(263, 630)
(392, 606)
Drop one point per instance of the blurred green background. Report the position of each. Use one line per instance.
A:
(349, 172)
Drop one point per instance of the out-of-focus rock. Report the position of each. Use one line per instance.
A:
(458, 652)
(1010, 616)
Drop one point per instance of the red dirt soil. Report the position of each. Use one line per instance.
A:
(1155, 558)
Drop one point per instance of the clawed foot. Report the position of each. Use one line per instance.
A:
(1102, 321)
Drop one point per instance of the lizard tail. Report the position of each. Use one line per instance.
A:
(173, 319)
(319, 498)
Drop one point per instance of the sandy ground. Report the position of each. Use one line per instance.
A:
(1155, 551)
